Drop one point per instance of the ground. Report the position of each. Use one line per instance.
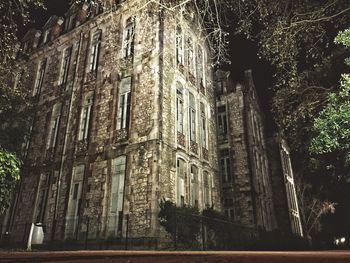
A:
(177, 257)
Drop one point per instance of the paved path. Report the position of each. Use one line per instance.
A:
(176, 257)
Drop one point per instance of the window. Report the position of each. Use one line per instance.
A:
(203, 126)
(54, 125)
(85, 118)
(95, 51)
(181, 178)
(222, 123)
(71, 22)
(123, 114)
(190, 55)
(42, 198)
(128, 39)
(206, 190)
(179, 46)
(65, 65)
(225, 165)
(192, 117)
(179, 108)
(194, 186)
(117, 195)
(291, 192)
(74, 202)
(40, 77)
(200, 67)
(47, 36)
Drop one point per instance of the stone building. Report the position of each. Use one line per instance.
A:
(125, 116)
(244, 173)
(283, 187)
(127, 113)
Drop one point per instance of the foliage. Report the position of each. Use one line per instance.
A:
(182, 223)
(296, 37)
(13, 96)
(217, 226)
(312, 208)
(13, 100)
(9, 175)
(332, 126)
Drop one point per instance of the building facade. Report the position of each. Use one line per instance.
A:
(128, 113)
(246, 182)
(283, 187)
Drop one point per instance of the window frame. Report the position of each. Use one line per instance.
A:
(124, 104)
(40, 76)
(85, 117)
(65, 66)
(128, 39)
(95, 51)
(192, 117)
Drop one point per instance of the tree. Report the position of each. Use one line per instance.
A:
(182, 223)
(9, 176)
(332, 126)
(13, 96)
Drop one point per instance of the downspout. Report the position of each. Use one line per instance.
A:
(63, 156)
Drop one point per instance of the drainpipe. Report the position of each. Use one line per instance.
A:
(64, 150)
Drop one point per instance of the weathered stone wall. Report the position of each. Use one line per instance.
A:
(149, 144)
(250, 188)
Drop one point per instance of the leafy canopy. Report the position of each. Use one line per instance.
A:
(332, 126)
(9, 176)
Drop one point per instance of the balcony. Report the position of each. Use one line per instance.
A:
(205, 153)
(194, 147)
(180, 139)
(120, 135)
(82, 146)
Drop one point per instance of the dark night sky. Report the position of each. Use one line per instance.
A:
(243, 55)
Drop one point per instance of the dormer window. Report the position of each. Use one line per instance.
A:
(71, 22)
(128, 39)
(47, 36)
(25, 46)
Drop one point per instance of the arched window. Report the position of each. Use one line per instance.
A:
(203, 126)
(194, 188)
(206, 189)
(192, 117)
(190, 55)
(181, 179)
(179, 108)
(128, 39)
(179, 45)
